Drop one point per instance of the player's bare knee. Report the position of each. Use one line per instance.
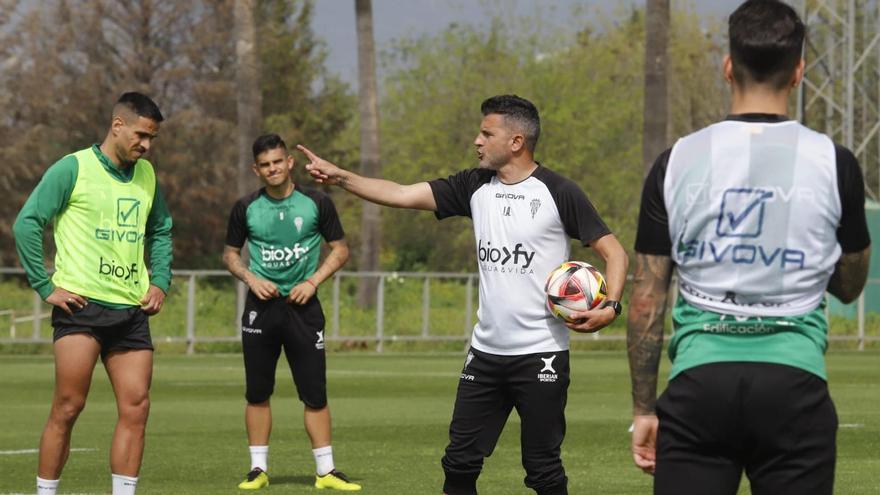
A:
(65, 410)
(135, 411)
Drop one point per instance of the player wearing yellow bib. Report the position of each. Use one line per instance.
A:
(759, 216)
(108, 212)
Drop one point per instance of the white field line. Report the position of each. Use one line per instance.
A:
(852, 425)
(437, 374)
(35, 451)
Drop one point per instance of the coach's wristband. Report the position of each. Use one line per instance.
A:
(311, 283)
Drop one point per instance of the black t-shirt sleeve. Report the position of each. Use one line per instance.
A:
(852, 233)
(328, 220)
(579, 217)
(652, 235)
(236, 230)
(453, 194)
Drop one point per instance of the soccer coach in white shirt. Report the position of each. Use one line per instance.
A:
(524, 216)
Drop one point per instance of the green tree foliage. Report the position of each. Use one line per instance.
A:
(587, 87)
(301, 100)
(65, 63)
(62, 66)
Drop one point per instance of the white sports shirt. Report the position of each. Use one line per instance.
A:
(522, 233)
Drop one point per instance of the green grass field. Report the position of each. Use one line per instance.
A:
(390, 413)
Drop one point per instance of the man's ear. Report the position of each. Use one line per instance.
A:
(798, 75)
(517, 143)
(727, 69)
(116, 124)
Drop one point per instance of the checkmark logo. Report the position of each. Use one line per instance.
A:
(127, 212)
(742, 212)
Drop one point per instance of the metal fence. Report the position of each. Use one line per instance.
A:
(414, 322)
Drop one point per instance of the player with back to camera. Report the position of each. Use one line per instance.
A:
(283, 225)
(759, 215)
(108, 212)
(524, 215)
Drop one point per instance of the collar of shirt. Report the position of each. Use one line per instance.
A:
(118, 173)
(768, 118)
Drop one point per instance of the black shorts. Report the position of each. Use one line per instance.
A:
(114, 329)
(491, 386)
(269, 326)
(776, 423)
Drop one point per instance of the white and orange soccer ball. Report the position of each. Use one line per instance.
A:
(574, 286)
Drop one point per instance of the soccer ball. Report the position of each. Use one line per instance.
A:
(574, 286)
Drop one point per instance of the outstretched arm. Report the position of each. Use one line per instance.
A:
(384, 192)
(644, 343)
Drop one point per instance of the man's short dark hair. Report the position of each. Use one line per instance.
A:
(766, 42)
(267, 142)
(518, 111)
(141, 105)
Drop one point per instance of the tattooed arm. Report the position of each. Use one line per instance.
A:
(262, 288)
(644, 342)
(850, 275)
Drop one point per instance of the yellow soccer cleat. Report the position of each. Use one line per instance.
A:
(336, 481)
(255, 480)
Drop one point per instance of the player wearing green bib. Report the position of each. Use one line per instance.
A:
(283, 225)
(759, 216)
(108, 213)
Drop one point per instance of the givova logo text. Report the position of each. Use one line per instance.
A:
(127, 215)
(119, 235)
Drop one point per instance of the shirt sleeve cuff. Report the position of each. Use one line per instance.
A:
(163, 283)
(45, 290)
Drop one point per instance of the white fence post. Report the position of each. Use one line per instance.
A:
(861, 319)
(468, 311)
(191, 314)
(38, 303)
(336, 283)
(426, 306)
(380, 315)
(468, 305)
(240, 295)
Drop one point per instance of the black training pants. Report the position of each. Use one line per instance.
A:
(536, 385)
(777, 423)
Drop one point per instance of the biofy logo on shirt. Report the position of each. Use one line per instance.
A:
(118, 270)
(273, 257)
(503, 259)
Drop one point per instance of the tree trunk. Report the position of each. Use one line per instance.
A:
(371, 227)
(249, 99)
(656, 59)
